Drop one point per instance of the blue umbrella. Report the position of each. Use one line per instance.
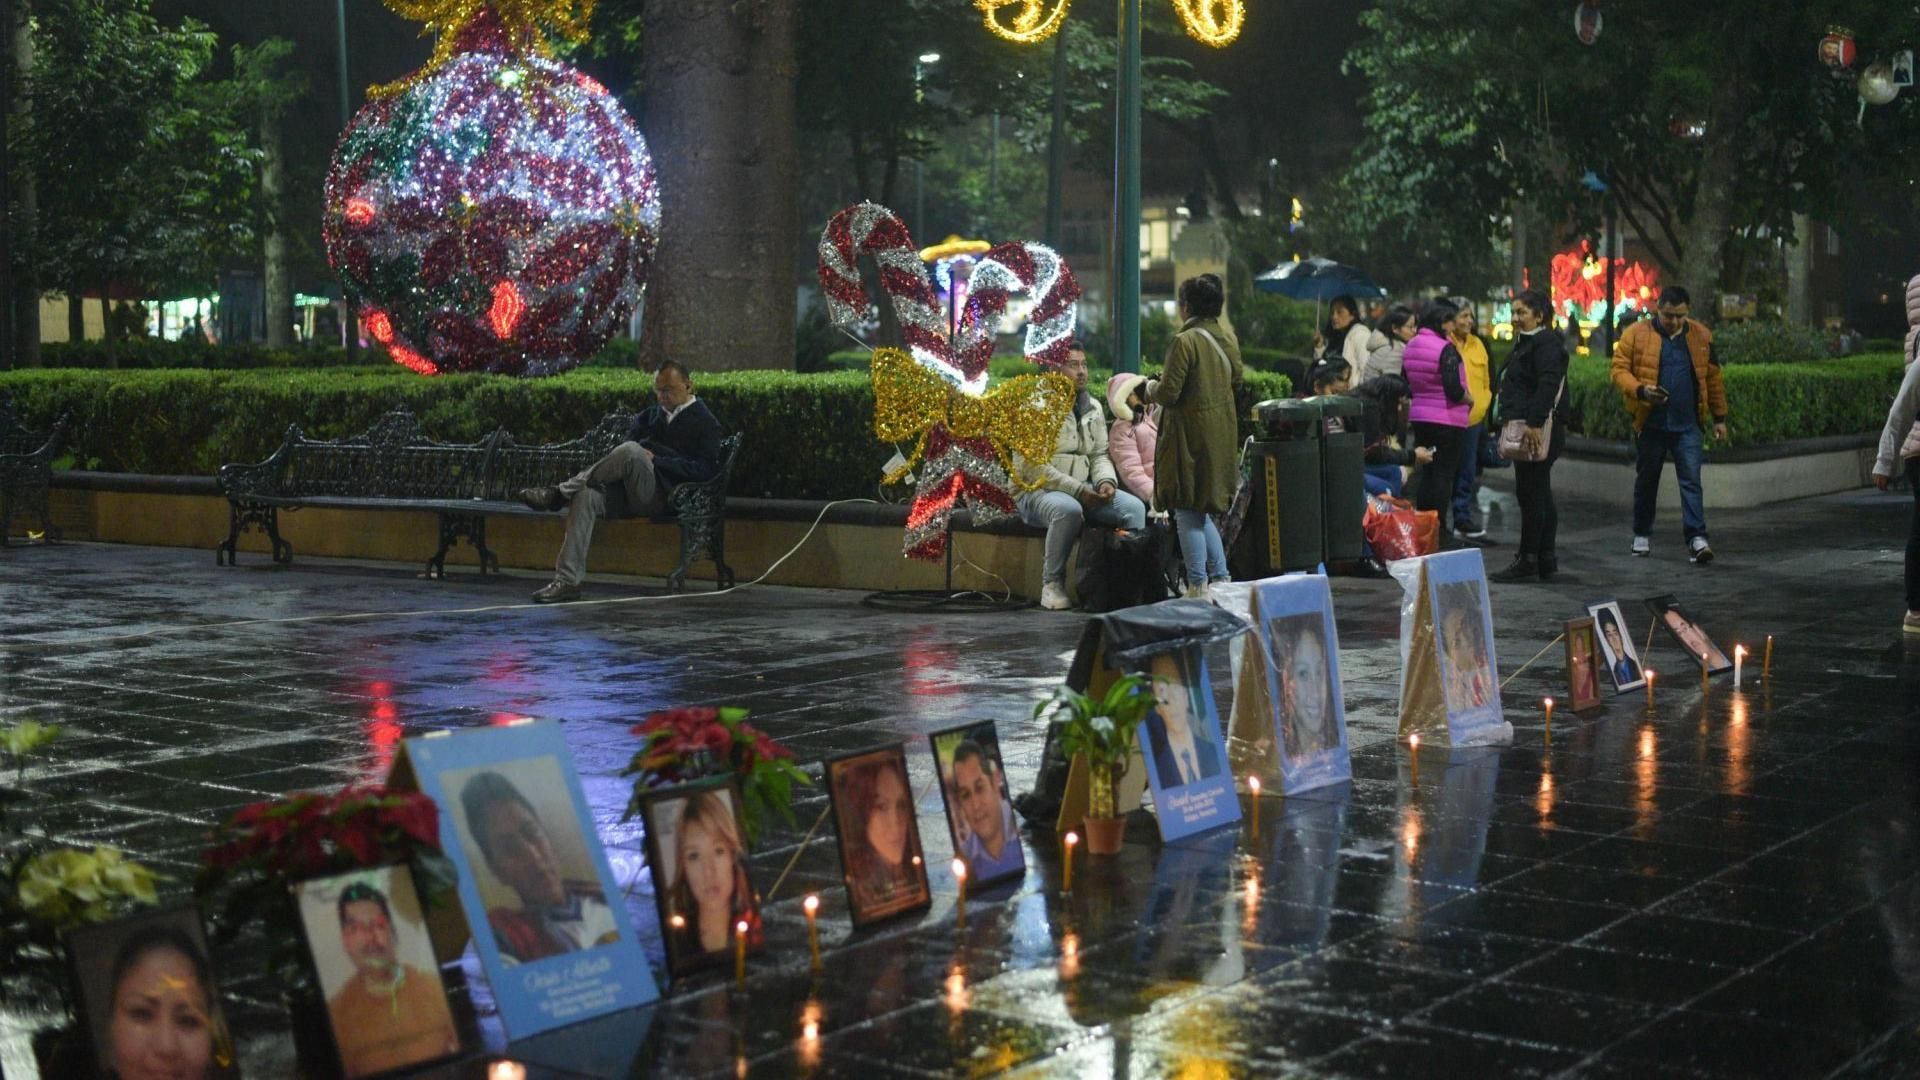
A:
(1317, 279)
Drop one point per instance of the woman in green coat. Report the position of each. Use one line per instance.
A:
(1195, 467)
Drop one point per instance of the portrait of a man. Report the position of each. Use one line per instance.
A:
(1183, 749)
(560, 907)
(986, 835)
(1616, 647)
(385, 1003)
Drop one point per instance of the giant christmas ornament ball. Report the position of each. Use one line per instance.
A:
(498, 213)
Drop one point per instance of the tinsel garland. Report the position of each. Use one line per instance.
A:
(522, 20)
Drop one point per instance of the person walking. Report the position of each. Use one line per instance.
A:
(1195, 471)
(1479, 371)
(1670, 383)
(1900, 449)
(1344, 336)
(1386, 343)
(1441, 409)
(1533, 388)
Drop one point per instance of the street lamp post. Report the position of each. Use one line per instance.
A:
(920, 64)
(352, 320)
(1126, 196)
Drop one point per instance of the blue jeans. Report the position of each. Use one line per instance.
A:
(1063, 516)
(1465, 513)
(1385, 480)
(1650, 453)
(1200, 547)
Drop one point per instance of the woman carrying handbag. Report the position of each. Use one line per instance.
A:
(1533, 408)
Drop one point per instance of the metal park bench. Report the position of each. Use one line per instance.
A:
(26, 469)
(394, 466)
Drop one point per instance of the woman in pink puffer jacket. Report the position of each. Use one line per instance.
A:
(1900, 449)
(1135, 434)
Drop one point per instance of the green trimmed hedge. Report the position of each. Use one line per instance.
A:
(1766, 402)
(807, 436)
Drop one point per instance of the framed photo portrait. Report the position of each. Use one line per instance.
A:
(1300, 653)
(367, 939)
(547, 919)
(1686, 632)
(881, 859)
(147, 996)
(1463, 631)
(1583, 666)
(1617, 653)
(1186, 755)
(697, 848)
(973, 783)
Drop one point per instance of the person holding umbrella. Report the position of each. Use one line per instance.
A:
(1441, 409)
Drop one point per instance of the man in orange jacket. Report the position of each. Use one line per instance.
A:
(1670, 381)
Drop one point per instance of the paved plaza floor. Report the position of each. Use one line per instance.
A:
(1727, 888)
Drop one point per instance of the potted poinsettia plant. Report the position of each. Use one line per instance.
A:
(681, 745)
(267, 847)
(1102, 730)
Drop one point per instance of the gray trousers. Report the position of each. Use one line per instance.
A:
(628, 467)
(1063, 517)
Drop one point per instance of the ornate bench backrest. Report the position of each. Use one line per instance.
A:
(15, 438)
(543, 465)
(392, 459)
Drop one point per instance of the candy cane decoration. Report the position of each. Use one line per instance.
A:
(1031, 268)
(871, 229)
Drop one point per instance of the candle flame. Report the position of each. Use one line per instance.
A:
(1072, 839)
(959, 869)
(811, 903)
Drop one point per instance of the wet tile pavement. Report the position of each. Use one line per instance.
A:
(1718, 888)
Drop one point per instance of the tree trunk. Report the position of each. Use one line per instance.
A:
(273, 244)
(25, 296)
(76, 317)
(720, 122)
(1704, 258)
(1800, 273)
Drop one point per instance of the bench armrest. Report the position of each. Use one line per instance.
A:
(240, 480)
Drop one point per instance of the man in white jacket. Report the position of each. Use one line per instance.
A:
(1076, 486)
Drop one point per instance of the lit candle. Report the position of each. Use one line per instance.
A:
(1549, 703)
(740, 952)
(1739, 661)
(1650, 674)
(811, 905)
(1413, 755)
(1253, 786)
(960, 905)
(1066, 881)
(1766, 665)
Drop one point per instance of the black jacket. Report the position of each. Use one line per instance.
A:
(1376, 429)
(686, 451)
(1532, 386)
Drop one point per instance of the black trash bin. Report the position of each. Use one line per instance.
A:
(1343, 476)
(1284, 529)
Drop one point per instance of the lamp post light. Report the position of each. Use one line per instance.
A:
(920, 64)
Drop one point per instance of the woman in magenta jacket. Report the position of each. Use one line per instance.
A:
(1441, 408)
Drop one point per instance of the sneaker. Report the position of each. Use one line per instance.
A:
(542, 498)
(1199, 592)
(1642, 546)
(1522, 569)
(1472, 531)
(1911, 624)
(1698, 551)
(1549, 566)
(557, 592)
(1053, 597)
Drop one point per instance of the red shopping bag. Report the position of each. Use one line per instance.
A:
(1398, 531)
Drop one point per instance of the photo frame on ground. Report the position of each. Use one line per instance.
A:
(1450, 687)
(516, 824)
(146, 993)
(1620, 657)
(1300, 661)
(1686, 632)
(980, 819)
(1583, 665)
(881, 858)
(1185, 752)
(366, 937)
(696, 845)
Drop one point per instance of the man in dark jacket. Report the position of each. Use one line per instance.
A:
(674, 442)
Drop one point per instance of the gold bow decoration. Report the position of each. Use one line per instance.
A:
(1212, 22)
(525, 22)
(1021, 416)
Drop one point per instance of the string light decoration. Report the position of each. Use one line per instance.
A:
(1211, 22)
(496, 211)
(964, 436)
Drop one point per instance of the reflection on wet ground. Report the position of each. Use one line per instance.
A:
(1728, 887)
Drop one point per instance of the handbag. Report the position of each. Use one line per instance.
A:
(1513, 435)
(1395, 530)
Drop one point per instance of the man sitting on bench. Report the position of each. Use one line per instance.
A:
(674, 442)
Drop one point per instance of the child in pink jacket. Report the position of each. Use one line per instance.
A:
(1135, 433)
